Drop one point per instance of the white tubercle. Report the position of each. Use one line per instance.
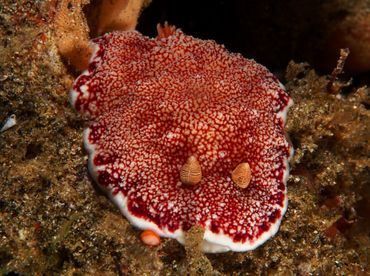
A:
(9, 123)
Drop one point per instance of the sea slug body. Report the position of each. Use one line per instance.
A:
(157, 103)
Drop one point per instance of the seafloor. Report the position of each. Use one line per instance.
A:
(55, 221)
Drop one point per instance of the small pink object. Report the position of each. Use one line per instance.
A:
(149, 237)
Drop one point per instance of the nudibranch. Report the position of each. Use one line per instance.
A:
(185, 133)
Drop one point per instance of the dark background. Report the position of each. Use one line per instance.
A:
(270, 32)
